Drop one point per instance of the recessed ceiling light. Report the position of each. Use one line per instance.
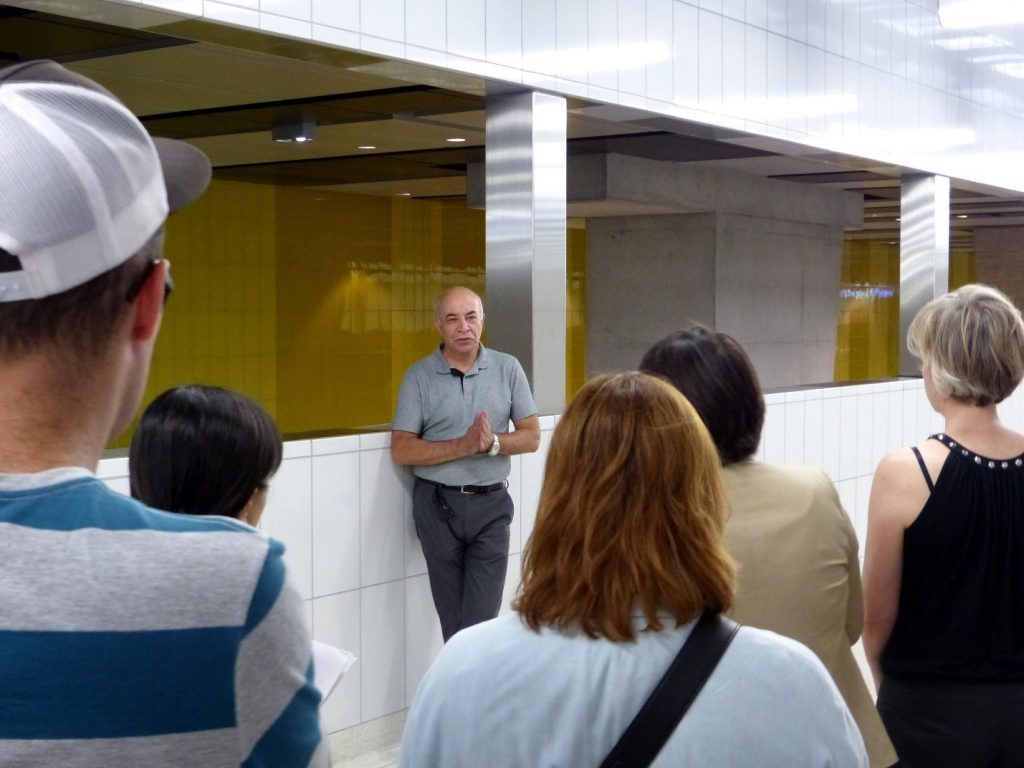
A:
(455, 140)
(366, 146)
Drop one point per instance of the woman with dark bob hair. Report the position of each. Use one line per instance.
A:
(944, 566)
(625, 556)
(205, 451)
(798, 556)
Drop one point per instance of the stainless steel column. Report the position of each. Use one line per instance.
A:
(924, 252)
(525, 202)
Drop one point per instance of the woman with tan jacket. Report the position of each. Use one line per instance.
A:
(797, 552)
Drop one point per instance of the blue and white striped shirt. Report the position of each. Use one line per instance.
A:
(130, 636)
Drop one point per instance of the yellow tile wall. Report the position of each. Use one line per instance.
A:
(315, 303)
(219, 326)
(867, 337)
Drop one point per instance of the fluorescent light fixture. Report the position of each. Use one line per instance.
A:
(961, 215)
(1013, 69)
(971, 14)
(455, 140)
(366, 146)
(297, 131)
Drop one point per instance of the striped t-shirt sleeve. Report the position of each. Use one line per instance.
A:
(276, 701)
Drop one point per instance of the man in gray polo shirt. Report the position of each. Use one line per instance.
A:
(451, 426)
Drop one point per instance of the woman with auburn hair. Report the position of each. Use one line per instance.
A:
(944, 564)
(625, 556)
(798, 556)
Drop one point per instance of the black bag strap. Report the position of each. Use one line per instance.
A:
(665, 707)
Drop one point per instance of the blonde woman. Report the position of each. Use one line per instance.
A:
(944, 566)
(626, 554)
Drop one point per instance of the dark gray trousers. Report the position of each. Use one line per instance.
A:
(465, 542)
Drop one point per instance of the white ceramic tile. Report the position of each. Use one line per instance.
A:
(466, 31)
(292, 9)
(796, 19)
(289, 519)
(336, 621)
(880, 427)
(602, 36)
(757, 13)
(325, 446)
(756, 64)
(113, 467)
(734, 66)
(342, 38)
(847, 490)
(831, 437)
(423, 640)
(734, 9)
(813, 432)
(188, 7)
(834, 28)
(774, 434)
(860, 516)
(816, 88)
(231, 14)
(709, 51)
(382, 642)
(632, 38)
(894, 424)
(426, 24)
(532, 475)
(777, 17)
(415, 562)
(384, 506)
(796, 83)
(685, 52)
(335, 523)
(573, 61)
(847, 437)
(851, 31)
(383, 46)
(715, 6)
(119, 485)
(296, 449)
(374, 440)
(865, 433)
(513, 578)
(515, 483)
(343, 14)
(540, 40)
(504, 33)
(775, 77)
(659, 71)
(816, 23)
(283, 25)
(911, 433)
(382, 18)
(794, 433)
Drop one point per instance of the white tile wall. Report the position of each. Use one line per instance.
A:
(344, 512)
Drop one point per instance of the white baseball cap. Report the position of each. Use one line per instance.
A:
(83, 186)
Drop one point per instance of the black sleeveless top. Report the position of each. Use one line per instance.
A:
(961, 610)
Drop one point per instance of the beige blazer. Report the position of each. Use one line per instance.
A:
(799, 575)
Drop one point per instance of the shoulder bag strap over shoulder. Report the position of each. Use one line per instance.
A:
(665, 707)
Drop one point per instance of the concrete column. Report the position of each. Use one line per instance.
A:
(924, 253)
(998, 254)
(525, 219)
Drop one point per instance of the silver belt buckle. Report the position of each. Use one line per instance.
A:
(464, 492)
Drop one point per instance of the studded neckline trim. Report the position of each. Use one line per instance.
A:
(950, 443)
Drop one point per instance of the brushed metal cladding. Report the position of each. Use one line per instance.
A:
(924, 253)
(526, 238)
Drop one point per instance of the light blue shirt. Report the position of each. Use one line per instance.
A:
(500, 694)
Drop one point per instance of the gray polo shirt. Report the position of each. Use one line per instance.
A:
(436, 404)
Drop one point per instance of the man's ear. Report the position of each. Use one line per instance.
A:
(148, 306)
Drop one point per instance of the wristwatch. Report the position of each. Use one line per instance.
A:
(495, 447)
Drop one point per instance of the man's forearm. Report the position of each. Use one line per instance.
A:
(520, 441)
(408, 449)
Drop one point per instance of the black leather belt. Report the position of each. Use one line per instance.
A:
(466, 488)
